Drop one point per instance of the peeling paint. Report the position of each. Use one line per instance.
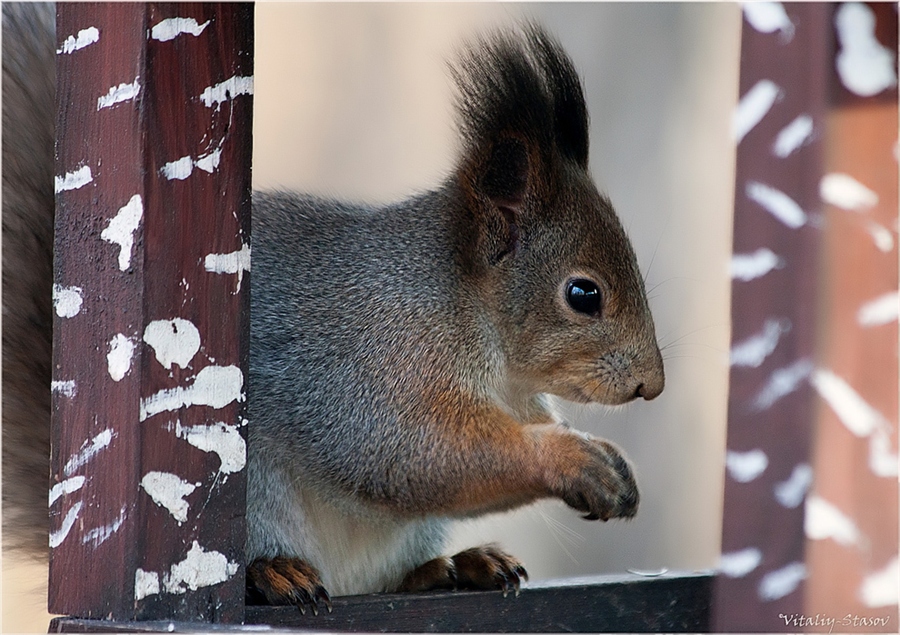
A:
(790, 493)
(229, 89)
(863, 64)
(235, 262)
(884, 309)
(214, 386)
(88, 450)
(754, 350)
(66, 388)
(224, 440)
(174, 341)
(782, 382)
(73, 180)
(844, 191)
(146, 583)
(781, 582)
(746, 267)
(121, 228)
(73, 43)
(882, 588)
(737, 564)
(170, 28)
(65, 487)
(823, 520)
(118, 360)
(768, 17)
(118, 94)
(777, 203)
(57, 537)
(101, 534)
(67, 301)
(793, 136)
(200, 568)
(744, 467)
(168, 491)
(753, 106)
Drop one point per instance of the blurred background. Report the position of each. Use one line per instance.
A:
(354, 101)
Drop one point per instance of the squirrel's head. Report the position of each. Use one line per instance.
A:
(544, 251)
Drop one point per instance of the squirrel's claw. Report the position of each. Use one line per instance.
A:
(283, 580)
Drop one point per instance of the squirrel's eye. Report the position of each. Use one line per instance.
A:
(583, 295)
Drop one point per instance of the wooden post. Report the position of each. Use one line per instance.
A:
(811, 488)
(151, 296)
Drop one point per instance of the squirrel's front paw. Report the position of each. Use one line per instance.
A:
(603, 486)
(284, 580)
(480, 568)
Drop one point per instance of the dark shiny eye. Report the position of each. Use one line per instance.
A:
(583, 295)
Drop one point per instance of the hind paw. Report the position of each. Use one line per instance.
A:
(281, 581)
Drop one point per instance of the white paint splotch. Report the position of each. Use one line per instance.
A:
(174, 341)
(65, 387)
(782, 382)
(67, 301)
(118, 94)
(753, 106)
(884, 309)
(73, 180)
(88, 450)
(754, 350)
(118, 359)
(169, 491)
(121, 228)
(223, 439)
(236, 262)
(844, 191)
(85, 37)
(99, 535)
(746, 267)
(170, 28)
(214, 386)
(146, 583)
(863, 64)
(57, 537)
(224, 91)
(200, 568)
(781, 582)
(64, 488)
(793, 136)
(737, 564)
(777, 203)
(882, 588)
(744, 467)
(790, 493)
(823, 520)
(182, 168)
(769, 17)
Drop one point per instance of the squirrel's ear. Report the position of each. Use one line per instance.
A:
(504, 179)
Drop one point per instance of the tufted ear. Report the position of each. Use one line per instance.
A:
(504, 179)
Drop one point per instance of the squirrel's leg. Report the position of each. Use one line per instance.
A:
(482, 568)
(284, 580)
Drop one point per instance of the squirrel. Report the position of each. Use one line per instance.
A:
(401, 356)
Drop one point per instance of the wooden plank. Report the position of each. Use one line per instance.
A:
(151, 331)
(625, 603)
(771, 404)
(810, 532)
(853, 522)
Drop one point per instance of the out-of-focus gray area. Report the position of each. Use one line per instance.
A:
(355, 101)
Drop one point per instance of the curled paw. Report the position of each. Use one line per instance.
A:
(281, 581)
(605, 487)
(482, 568)
(488, 567)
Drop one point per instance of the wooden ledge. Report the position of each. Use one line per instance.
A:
(673, 602)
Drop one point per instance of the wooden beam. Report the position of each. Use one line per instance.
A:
(151, 296)
(623, 603)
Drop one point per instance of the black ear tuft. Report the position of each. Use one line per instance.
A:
(505, 179)
(520, 85)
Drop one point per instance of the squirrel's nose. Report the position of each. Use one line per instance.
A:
(648, 391)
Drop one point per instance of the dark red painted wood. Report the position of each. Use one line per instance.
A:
(131, 102)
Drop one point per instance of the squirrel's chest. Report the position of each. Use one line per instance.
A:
(359, 553)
